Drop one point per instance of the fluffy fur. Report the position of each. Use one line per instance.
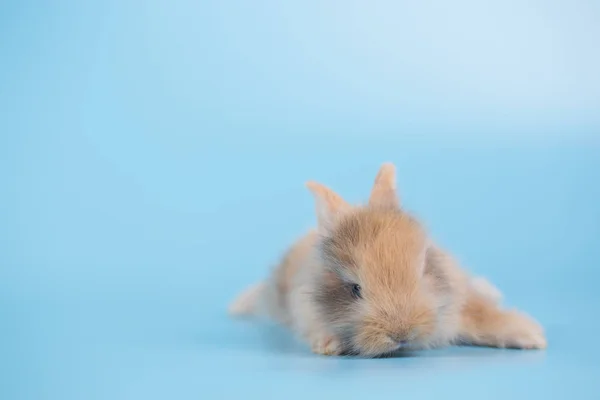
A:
(411, 294)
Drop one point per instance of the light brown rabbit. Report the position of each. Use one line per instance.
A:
(369, 281)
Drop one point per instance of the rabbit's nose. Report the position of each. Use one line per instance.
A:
(399, 339)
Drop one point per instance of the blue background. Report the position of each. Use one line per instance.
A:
(152, 161)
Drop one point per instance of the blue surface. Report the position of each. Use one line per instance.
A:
(152, 160)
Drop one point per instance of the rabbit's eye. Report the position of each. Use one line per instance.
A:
(356, 291)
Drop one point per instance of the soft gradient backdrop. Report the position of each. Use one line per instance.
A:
(152, 162)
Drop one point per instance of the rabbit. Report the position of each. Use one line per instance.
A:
(369, 281)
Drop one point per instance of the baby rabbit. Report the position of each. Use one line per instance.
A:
(369, 281)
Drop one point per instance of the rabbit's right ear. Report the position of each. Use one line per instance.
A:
(329, 205)
(384, 193)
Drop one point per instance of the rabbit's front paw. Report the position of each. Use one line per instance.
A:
(521, 332)
(326, 345)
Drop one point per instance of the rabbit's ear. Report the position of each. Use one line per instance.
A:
(384, 193)
(329, 205)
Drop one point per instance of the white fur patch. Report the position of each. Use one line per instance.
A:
(485, 288)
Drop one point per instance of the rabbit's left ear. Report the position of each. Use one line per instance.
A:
(329, 205)
(384, 193)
